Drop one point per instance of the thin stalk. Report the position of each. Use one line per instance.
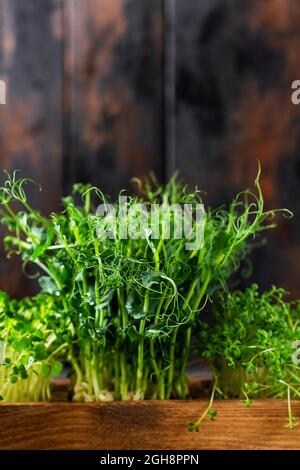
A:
(124, 381)
(172, 360)
(292, 423)
(154, 363)
(140, 364)
(123, 367)
(197, 424)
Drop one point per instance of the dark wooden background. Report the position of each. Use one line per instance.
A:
(103, 90)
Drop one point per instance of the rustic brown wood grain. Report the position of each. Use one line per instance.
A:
(146, 425)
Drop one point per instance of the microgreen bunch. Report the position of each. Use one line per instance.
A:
(30, 348)
(250, 346)
(130, 305)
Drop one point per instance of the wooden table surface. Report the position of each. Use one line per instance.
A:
(146, 425)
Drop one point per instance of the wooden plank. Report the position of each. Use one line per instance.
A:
(146, 425)
(31, 52)
(235, 63)
(113, 91)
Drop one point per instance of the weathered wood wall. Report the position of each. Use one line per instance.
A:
(103, 90)
(31, 57)
(235, 63)
(114, 78)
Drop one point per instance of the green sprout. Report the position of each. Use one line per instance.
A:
(249, 346)
(32, 350)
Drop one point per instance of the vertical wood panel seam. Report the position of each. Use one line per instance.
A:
(170, 86)
(70, 127)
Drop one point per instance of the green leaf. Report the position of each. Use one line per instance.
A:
(134, 307)
(47, 285)
(193, 427)
(149, 279)
(44, 370)
(139, 315)
(23, 372)
(40, 352)
(40, 249)
(21, 345)
(153, 333)
(56, 369)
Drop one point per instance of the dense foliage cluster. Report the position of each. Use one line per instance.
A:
(250, 345)
(31, 346)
